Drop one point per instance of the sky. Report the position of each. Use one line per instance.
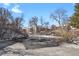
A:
(37, 9)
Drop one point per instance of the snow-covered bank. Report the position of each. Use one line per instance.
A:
(63, 50)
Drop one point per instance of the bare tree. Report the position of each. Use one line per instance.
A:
(53, 27)
(41, 20)
(18, 21)
(33, 24)
(60, 16)
(5, 17)
(46, 24)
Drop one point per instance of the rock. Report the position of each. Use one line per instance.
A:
(75, 41)
(35, 43)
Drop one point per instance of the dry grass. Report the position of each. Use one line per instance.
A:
(66, 35)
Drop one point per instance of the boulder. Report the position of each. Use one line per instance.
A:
(35, 43)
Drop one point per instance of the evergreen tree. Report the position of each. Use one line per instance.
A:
(74, 19)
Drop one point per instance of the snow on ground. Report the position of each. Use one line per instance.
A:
(17, 46)
(18, 49)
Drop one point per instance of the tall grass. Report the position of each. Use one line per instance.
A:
(67, 36)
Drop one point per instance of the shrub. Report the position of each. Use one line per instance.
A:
(67, 36)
